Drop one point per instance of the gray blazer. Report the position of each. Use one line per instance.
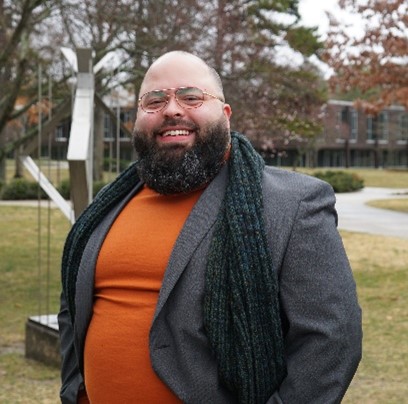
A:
(321, 315)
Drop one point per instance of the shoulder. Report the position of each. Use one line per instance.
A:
(296, 203)
(288, 195)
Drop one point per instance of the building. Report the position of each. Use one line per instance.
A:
(350, 138)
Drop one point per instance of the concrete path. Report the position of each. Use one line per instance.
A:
(355, 215)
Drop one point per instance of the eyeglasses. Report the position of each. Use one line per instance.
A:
(186, 97)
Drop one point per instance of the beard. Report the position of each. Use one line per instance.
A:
(174, 169)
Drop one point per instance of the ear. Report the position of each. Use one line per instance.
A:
(227, 111)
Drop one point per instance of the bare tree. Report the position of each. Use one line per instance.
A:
(153, 28)
(18, 60)
(239, 38)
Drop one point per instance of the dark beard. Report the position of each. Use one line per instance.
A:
(174, 169)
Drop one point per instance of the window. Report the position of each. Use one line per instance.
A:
(338, 123)
(403, 127)
(127, 115)
(369, 126)
(382, 126)
(59, 134)
(353, 125)
(377, 127)
(62, 131)
(108, 128)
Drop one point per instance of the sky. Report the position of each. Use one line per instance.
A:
(313, 14)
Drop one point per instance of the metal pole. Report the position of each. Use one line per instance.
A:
(118, 131)
(39, 261)
(47, 306)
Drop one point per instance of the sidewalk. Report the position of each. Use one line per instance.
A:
(354, 215)
(28, 203)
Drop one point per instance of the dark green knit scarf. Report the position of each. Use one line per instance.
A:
(241, 307)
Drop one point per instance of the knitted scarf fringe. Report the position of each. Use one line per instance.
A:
(241, 306)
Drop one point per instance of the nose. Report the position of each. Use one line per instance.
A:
(173, 108)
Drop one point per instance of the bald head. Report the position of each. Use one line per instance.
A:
(172, 67)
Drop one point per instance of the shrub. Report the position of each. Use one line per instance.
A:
(64, 188)
(123, 164)
(341, 181)
(20, 189)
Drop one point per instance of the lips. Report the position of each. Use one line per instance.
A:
(176, 132)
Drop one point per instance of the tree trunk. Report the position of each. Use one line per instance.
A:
(3, 171)
(2, 160)
(18, 166)
(219, 51)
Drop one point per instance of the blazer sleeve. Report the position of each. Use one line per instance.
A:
(71, 378)
(321, 314)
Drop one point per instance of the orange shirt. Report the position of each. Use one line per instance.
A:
(128, 277)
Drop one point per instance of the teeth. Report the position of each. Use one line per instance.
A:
(176, 133)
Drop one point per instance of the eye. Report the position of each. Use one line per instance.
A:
(190, 96)
(154, 100)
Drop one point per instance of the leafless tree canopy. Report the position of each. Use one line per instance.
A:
(273, 101)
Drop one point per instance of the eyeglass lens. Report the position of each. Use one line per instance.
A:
(187, 97)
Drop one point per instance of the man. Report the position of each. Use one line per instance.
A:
(201, 276)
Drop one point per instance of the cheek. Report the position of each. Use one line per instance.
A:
(205, 115)
(145, 121)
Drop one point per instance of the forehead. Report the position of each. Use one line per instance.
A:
(178, 71)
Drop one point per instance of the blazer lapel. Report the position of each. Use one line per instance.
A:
(197, 225)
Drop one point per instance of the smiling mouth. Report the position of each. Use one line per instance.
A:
(175, 133)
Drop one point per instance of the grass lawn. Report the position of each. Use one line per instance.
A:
(55, 171)
(23, 292)
(399, 205)
(381, 178)
(380, 266)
